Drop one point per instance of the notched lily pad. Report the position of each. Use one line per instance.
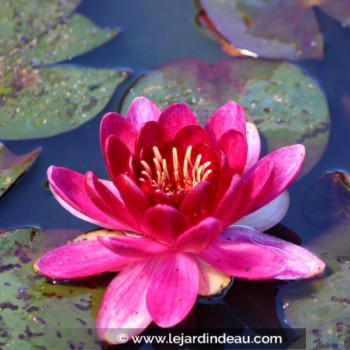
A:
(37, 313)
(269, 28)
(12, 166)
(286, 105)
(39, 102)
(328, 200)
(316, 301)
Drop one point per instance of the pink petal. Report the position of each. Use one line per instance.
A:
(68, 187)
(256, 185)
(234, 145)
(297, 261)
(174, 118)
(141, 111)
(191, 135)
(230, 200)
(150, 135)
(123, 308)
(243, 260)
(287, 162)
(254, 145)
(164, 223)
(173, 289)
(133, 247)
(106, 201)
(269, 215)
(118, 158)
(199, 237)
(133, 197)
(79, 259)
(117, 125)
(228, 117)
(198, 202)
(211, 281)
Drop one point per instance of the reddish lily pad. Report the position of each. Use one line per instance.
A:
(39, 102)
(37, 313)
(286, 105)
(328, 200)
(269, 28)
(13, 166)
(311, 303)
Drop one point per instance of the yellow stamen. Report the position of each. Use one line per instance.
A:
(147, 175)
(157, 154)
(176, 168)
(146, 167)
(206, 175)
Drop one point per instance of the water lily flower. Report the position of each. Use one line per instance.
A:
(187, 205)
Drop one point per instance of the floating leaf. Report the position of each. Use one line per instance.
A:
(313, 302)
(13, 166)
(330, 335)
(286, 105)
(36, 313)
(57, 99)
(328, 200)
(39, 102)
(269, 28)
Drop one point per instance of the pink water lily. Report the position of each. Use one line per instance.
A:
(191, 203)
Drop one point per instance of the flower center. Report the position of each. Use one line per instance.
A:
(172, 175)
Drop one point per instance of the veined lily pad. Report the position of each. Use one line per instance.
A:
(269, 28)
(39, 314)
(39, 102)
(328, 200)
(311, 303)
(286, 105)
(13, 166)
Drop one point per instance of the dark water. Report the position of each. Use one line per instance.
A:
(154, 32)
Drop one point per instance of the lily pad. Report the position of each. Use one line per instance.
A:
(313, 302)
(13, 166)
(36, 101)
(269, 28)
(330, 335)
(37, 313)
(56, 99)
(286, 105)
(327, 201)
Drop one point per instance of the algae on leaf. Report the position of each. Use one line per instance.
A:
(37, 313)
(320, 304)
(13, 166)
(38, 101)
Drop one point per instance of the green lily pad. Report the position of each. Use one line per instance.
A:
(13, 166)
(330, 335)
(37, 313)
(313, 302)
(327, 201)
(24, 20)
(286, 105)
(59, 99)
(269, 28)
(36, 101)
